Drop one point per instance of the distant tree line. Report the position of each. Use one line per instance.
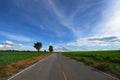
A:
(37, 46)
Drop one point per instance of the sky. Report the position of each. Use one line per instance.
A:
(66, 24)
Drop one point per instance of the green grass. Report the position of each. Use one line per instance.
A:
(104, 60)
(8, 57)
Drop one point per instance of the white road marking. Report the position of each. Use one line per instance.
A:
(64, 75)
(110, 76)
(107, 74)
(25, 69)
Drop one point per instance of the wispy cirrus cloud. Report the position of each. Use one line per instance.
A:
(83, 11)
(85, 7)
(109, 25)
(66, 22)
(16, 37)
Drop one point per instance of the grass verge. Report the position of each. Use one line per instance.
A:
(12, 68)
(108, 61)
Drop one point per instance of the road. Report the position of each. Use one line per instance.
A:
(59, 67)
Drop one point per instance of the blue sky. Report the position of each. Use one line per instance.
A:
(66, 24)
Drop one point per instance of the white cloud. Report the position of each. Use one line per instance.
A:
(10, 45)
(8, 42)
(62, 49)
(1, 46)
(110, 23)
(6, 45)
(16, 37)
(96, 41)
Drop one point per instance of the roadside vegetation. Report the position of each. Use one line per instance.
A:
(8, 57)
(108, 61)
(38, 46)
(13, 61)
(50, 48)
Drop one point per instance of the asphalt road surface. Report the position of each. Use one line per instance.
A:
(59, 67)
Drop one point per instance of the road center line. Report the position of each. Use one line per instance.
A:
(64, 75)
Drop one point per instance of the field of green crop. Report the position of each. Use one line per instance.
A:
(8, 57)
(105, 60)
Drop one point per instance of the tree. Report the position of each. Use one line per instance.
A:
(45, 51)
(50, 48)
(38, 46)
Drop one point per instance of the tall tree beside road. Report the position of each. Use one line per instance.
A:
(50, 48)
(38, 46)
